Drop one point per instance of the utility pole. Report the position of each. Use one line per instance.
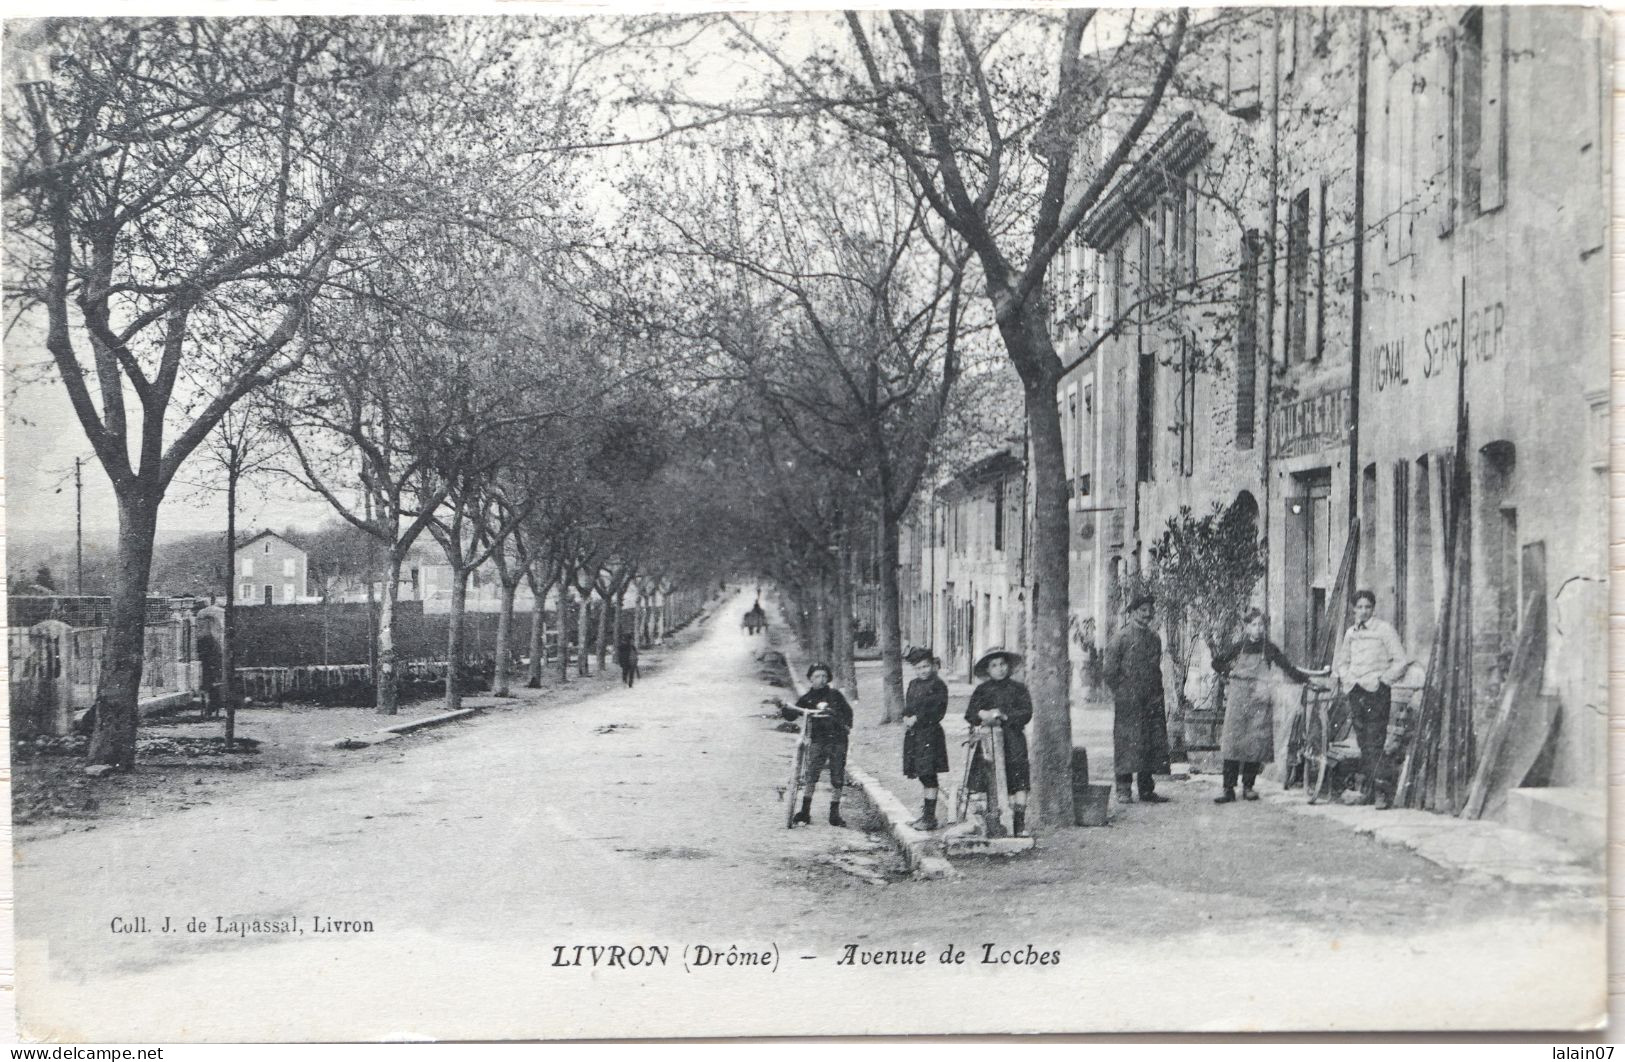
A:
(78, 528)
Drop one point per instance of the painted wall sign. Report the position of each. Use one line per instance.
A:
(1310, 424)
(1400, 361)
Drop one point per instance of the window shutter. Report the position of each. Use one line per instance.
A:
(1492, 150)
(1442, 184)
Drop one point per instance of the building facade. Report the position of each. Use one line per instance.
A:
(270, 570)
(1317, 277)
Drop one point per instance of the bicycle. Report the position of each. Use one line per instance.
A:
(798, 756)
(1326, 736)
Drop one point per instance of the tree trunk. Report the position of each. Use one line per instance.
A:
(388, 692)
(846, 669)
(118, 692)
(891, 626)
(620, 606)
(499, 675)
(228, 626)
(603, 630)
(454, 638)
(564, 626)
(538, 635)
(1049, 666)
(583, 628)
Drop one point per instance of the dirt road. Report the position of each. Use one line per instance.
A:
(442, 891)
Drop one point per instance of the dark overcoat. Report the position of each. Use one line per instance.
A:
(830, 730)
(925, 747)
(1133, 668)
(1010, 697)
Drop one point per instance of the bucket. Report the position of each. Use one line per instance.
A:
(1089, 804)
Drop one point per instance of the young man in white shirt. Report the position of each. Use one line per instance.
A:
(1370, 659)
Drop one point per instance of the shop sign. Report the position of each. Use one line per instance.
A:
(1310, 424)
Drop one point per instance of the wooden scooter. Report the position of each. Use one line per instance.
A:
(988, 739)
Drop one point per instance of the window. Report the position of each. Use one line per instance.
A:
(1368, 526)
(1247, 342)
(1118, 279)
(267, 545)
(1482, 109)
(1185, 460)
(1119, 457)
(1145, 421)
(287, 593)
(248, 566)
(1242, 66)
(1086, 441)
(245, 592)
(1069, 429)
(998, 515)
(417, 579)
(1320, 275)
(1297, 278)
(288, 566)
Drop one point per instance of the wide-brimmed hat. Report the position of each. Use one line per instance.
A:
(919, 653)
(1139, 599)
(1012, 658)
(820, 666)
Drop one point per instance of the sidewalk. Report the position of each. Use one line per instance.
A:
(1481, 848)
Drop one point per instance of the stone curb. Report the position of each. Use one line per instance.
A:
(923, 854)
(400, 730)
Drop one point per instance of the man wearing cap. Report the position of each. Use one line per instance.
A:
(1003, 701)
(1133, 669)
(925, 748)
(827, 732)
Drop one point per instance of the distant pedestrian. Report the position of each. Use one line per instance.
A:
(1370, 659)
(827, 733)
(1139, 726)
(1253, 668)
(626, 657)
(1004, 702)
(925, 747)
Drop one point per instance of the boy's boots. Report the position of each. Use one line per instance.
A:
(804, 816)
(835, 814)
(927, 821)
(1018, 821)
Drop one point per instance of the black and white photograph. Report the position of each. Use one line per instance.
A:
(536, 523)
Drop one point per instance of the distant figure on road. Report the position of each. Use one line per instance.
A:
(626, 656)
(1369, 660)
(828, 735)
(755, 619)
(1002, 700)
(925, 748)
(1133, 669)
(1253, 668)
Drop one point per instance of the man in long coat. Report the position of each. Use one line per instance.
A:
(1139, 725)
(925, 747)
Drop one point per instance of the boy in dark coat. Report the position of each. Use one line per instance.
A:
(925, 747)
(828, 735)
(1139, 727)
(1003, 700)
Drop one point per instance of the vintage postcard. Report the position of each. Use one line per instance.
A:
(525, 525)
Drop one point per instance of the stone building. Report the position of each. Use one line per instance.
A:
(1274, 308)
(270, 570)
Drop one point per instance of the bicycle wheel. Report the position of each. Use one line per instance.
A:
(1316, 740)
(792, 792)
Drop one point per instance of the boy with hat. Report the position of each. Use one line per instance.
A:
(925, 747)
(1003, 701)
(827, 733)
